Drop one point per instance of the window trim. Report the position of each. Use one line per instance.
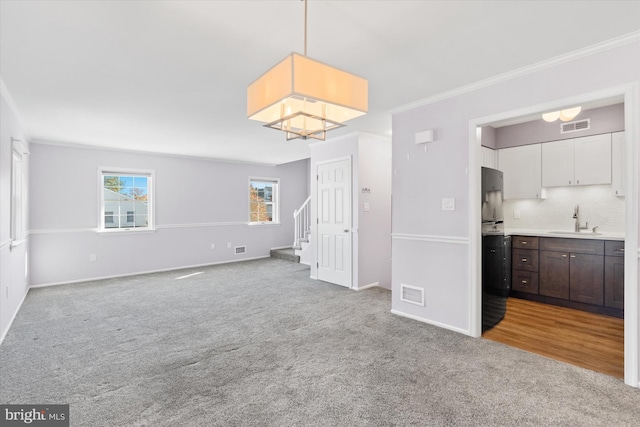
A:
(18, 190)
(275, 203)
(151, 200)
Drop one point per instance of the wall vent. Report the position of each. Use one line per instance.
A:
(240, 250)
(411, 294)
(575, 126)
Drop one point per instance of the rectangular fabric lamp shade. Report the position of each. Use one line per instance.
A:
(306, 97)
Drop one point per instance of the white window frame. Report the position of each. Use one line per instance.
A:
(150, 175)
(18, 199)
(276, 200)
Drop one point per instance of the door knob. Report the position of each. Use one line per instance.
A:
(346, 231)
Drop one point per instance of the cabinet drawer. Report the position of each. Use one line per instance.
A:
(525, 259)
(524, 242)
(614, 248)
(524, 281)
(579, 246)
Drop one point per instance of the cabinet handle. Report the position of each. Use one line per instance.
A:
(564, 255)
(569, 182)
(524, 282)
(524, 243)
(573, 256)
(493, 251)
(578, 181)
(524, 260)
(621, 250)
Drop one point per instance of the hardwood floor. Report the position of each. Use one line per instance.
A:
(592, 341)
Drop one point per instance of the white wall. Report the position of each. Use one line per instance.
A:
(374, 229)
(13, 277)
(431, 246)
(198, 203)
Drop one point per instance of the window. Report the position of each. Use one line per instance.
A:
(263, 201)
(126, 200)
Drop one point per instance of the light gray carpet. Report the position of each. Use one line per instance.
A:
(260, 344)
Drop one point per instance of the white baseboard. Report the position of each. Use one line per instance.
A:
(305, 263)
(281, 247)
(371, 285)
(431, 322)
(313, 277)
(15, 313)
(115, 276)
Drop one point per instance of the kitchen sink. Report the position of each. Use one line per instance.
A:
(576, 232)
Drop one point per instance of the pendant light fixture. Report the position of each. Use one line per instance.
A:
(306, 98)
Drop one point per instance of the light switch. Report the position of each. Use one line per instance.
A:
(449, 204)
(366, 206)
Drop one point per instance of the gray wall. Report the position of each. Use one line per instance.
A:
(198, 203)
(13, 278)
(603, 120)
(431, 246)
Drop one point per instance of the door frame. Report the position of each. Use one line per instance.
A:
(317, 205)
(632, 288)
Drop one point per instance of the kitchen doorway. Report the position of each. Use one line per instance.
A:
(630, 333)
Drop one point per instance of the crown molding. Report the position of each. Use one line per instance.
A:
(548, 63)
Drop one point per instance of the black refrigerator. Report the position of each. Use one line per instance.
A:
(496, 251)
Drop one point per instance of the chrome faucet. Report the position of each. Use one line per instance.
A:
(576, 216)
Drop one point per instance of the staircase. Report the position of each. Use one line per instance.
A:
(301, 236)
(302, 230)
(286, 254)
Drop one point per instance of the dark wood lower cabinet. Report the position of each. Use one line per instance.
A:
(554, 274)
(614, 282)
(584, 274)
(586, 278)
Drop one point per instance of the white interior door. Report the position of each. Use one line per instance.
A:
(334, 222)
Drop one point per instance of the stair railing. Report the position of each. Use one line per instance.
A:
(301, 223)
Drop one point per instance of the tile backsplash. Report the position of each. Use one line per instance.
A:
(598, 206)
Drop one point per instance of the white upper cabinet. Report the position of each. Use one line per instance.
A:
(557, 163)
(521, 170)
(579, 161)
(593, 159)
(618, 166)
(488, 157)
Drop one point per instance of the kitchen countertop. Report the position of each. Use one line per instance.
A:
(569, 234)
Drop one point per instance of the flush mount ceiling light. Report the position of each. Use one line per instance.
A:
(564, 115)
(306, 98)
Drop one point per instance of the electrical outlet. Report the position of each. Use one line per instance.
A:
(92, 258)
(7, 290)
(229, 245)
(516, 214)
(213, 246)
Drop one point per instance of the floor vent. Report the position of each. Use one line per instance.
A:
(241, 250)
(411, 294)
(575, 126)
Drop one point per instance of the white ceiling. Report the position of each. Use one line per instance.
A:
(171, 76)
